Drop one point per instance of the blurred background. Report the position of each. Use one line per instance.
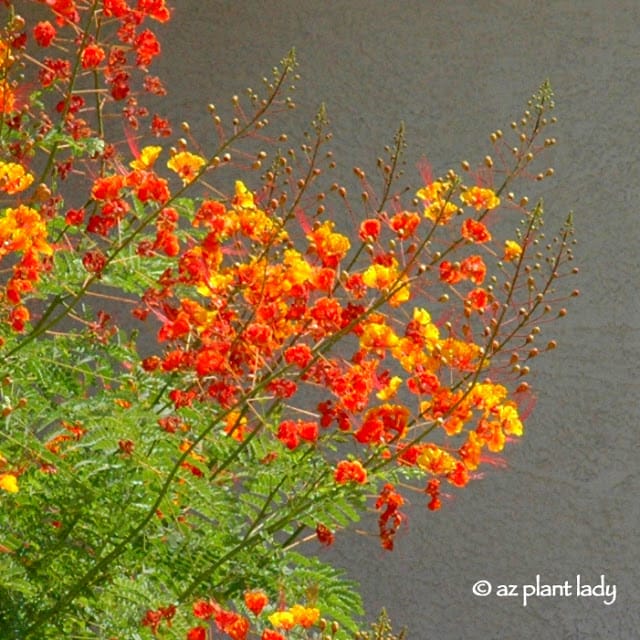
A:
(569, 501)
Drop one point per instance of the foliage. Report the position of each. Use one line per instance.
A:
(316, 355)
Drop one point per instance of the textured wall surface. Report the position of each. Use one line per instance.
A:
(568, 503)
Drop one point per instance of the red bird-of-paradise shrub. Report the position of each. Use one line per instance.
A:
(211, 354)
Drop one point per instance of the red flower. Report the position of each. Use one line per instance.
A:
(197, 633)
(478, 299)
(474, 268)
(204, 609)
(18, 318)
(94, 261)
(391, 518)
(155, 9)
(325, 536)
(107, 188)
(369, 230)
(475, 231)
(450, 272)
(44, 33)
(433, 491)
(282, 387)
(115, 8)
(288, 434)
(299, 354)
(92, 56)
(54, 69)
(152, 619)
(423, 382)
(65, 10)
(256, 601)
(160, 127)
(269, 634)
(147, 47)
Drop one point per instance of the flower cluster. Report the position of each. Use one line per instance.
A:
(312, 356)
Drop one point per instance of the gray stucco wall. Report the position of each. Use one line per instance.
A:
(569, 503)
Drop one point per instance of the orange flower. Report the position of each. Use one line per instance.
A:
(304, 616)
(350, 471)
(23, 229)
(329, 246)
(233, 624)
(405, 223)
(236, 426)
(471, 450)
(491, 434)
(7, 97)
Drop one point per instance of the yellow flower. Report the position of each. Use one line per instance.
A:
(480, 198)
(298, 272)
(512, 250)
(433, 191)
(282, 620)
(488, 395)
(380, 276)
(438, 208)
(146, 159)
(8, 482)
(186, 165)
(378, 335)
(435, 460)
(243, 197)
(14, 178)
(510, 419)
(6, 56)
(440, 211)
(390, 390)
